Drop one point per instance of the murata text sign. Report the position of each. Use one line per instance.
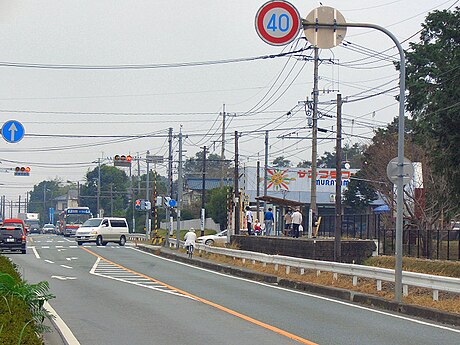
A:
(278, 22)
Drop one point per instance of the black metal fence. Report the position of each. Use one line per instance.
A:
(441, 244)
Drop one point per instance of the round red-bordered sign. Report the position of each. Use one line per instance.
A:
(277, 22)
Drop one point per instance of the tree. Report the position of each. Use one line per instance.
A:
(113, 192)
(433, 72)
(420, 213)
(217, 206)
(41, 198)
(304, 164)
(281, 162)
(194, 166)
(351, 154)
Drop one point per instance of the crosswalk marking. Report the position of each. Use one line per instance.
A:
(105, 269)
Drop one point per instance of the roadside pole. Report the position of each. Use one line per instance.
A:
(400, 186)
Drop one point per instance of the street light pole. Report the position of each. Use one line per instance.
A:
(400, 184)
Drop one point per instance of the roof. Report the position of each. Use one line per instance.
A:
(280, 202)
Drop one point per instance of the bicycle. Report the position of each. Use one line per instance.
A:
(190, 251)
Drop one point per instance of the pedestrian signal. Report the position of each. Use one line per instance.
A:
(22, 171)
(122, 161)
(137, 204)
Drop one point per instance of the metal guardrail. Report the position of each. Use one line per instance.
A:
(433, 282)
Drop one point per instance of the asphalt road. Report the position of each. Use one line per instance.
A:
(120, 295)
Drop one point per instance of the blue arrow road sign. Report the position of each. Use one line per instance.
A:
(172, 203)
(13, 131)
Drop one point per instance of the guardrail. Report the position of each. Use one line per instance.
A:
(433, 282)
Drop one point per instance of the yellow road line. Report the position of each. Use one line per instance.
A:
(212, 304)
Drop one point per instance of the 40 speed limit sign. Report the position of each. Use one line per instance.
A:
(278, 22)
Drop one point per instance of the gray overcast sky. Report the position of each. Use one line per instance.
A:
(142, 101)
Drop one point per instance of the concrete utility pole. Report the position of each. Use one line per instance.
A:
(258, 189)
(314, 144)
(237, 189)
(169, 183)
(179, 190)
(147, 214)
(222, 152)
(338, 183)
(203, 193)
(98, 187)
(266, 170)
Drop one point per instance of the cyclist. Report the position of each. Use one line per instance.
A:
(190, 238)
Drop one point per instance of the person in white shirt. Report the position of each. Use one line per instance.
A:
(296, 221)
(190, 238)
(249, 219)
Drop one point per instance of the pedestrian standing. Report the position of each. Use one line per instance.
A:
(249, 220)
(296, 221)
(288, 223)
(268, 220)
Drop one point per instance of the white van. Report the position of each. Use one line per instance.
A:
(102, 231)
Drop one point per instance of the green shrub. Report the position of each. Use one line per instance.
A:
(21, 307)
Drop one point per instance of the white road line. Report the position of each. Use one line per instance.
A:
(49, 261)
(306, 294)
(35, 252)
(63, 328)
(63, 278)
(45, 247)
(157, 287)
(65, 266)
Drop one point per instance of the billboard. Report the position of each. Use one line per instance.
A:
(295, 183)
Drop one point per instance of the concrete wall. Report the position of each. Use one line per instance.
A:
(317, 249)
(192, 223)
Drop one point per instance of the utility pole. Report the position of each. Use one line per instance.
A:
(237, 189)
(147, 214)
(138, 174)
(203, 193)
(258, 189)
(98, 187)
(314, 147)
(266, 169)
(179, 191)
(111, 200)
(169, 184)
(19, 207)
(132, 196)
(338, 183)
(222, 152)
(44, 202)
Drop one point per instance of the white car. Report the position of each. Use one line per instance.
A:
(49, 229)
(220, 237)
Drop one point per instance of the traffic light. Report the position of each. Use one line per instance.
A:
(122, 161)
(22, 171)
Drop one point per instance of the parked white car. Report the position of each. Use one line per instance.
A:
(220, 237)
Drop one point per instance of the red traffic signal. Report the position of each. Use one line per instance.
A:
(122, 160)
(22, 171)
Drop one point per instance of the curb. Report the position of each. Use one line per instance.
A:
(342, 294)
